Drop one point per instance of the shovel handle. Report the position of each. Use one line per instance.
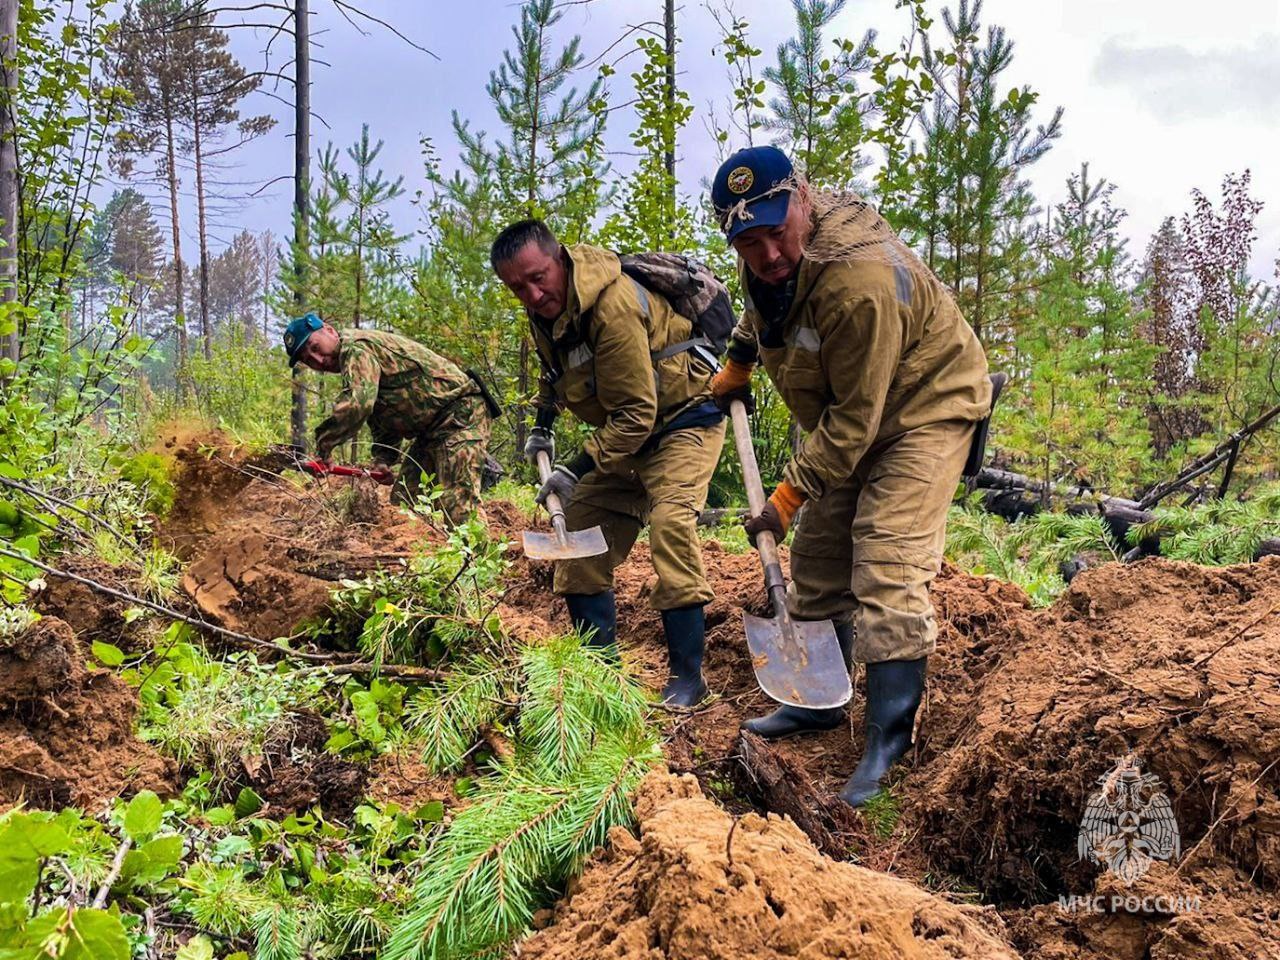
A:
(765, 544)
(553, 505)
(320, 469)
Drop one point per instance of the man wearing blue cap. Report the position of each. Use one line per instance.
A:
(871, 355)
(403, 391)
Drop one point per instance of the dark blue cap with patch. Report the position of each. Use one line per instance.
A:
(297, 332)
(741, 190)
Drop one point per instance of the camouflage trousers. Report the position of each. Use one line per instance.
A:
(872, 545)
(452, 457)
(665, 488)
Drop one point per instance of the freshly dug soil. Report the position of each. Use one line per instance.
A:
(66, 735)
(265, 555)
(92, 615)
(1174, 663)
(1024, 710)
(699, 885)
(295, 772)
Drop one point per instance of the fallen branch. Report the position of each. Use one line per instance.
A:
(242, 638)
(398, 671)
(113, 874)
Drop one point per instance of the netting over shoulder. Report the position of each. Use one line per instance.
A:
(846, 227)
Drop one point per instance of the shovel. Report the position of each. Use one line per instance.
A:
(318, 468)
(563, 544)
(797, 662)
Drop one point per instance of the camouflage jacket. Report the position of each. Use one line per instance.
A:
(396, 384)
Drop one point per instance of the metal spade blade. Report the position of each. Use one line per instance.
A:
(796, 661)
(563, 544)
(807, 671)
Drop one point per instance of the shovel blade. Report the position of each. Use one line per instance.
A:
(572, 546)
(810, 673)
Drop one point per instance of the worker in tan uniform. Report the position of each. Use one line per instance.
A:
(614, 354)
(872, 357)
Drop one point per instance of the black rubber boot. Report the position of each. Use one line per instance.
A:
(894, 689)
(788, 721)
(595, 614)
(686, 630)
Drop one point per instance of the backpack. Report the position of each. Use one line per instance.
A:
(693, 291)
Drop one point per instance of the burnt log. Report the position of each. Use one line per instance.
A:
(778, 785)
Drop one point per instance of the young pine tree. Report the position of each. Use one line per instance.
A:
(818, 110)
(971, 205)
(1084, 417)
(550, 162)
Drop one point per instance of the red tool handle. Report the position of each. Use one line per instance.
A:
(378, 474)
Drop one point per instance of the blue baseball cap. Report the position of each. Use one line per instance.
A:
(747, 176)
(297, 332)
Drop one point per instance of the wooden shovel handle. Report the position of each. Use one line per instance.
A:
(755, 493)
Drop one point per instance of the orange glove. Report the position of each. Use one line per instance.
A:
(733, 382)
(778, 513)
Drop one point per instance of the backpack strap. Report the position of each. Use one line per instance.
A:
(642, 295)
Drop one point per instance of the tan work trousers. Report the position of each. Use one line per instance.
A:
(874, 544)
(666, 488)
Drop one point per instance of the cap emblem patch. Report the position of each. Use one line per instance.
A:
(740, 180)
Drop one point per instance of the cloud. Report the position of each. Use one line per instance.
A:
(1174, 82)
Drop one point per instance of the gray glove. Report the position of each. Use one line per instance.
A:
(540, 440)
(561, 483)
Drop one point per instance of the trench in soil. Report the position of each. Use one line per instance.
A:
(1174, 664)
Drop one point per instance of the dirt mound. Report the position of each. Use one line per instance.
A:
(264, 555)
(93, 615)
(66, 735)
(243, 582)
(208, 473)
(1024, 710)
(697, 884)
(1176, 664)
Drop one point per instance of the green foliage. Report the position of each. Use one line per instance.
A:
(1027, 552)
(819, 112)
(442, 602)
(1215, 533)
(46, 860)
(1079, 417)
(243, 387)
(444, 718)
(149, 473)
(582, 744)
(882, 811)
(650, 214)
(373, 722)
(212, 714)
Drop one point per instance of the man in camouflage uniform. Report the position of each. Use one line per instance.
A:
(404, 391)
(871, 355)
(619, 357)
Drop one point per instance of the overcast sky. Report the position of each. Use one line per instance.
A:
(1161, 95)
